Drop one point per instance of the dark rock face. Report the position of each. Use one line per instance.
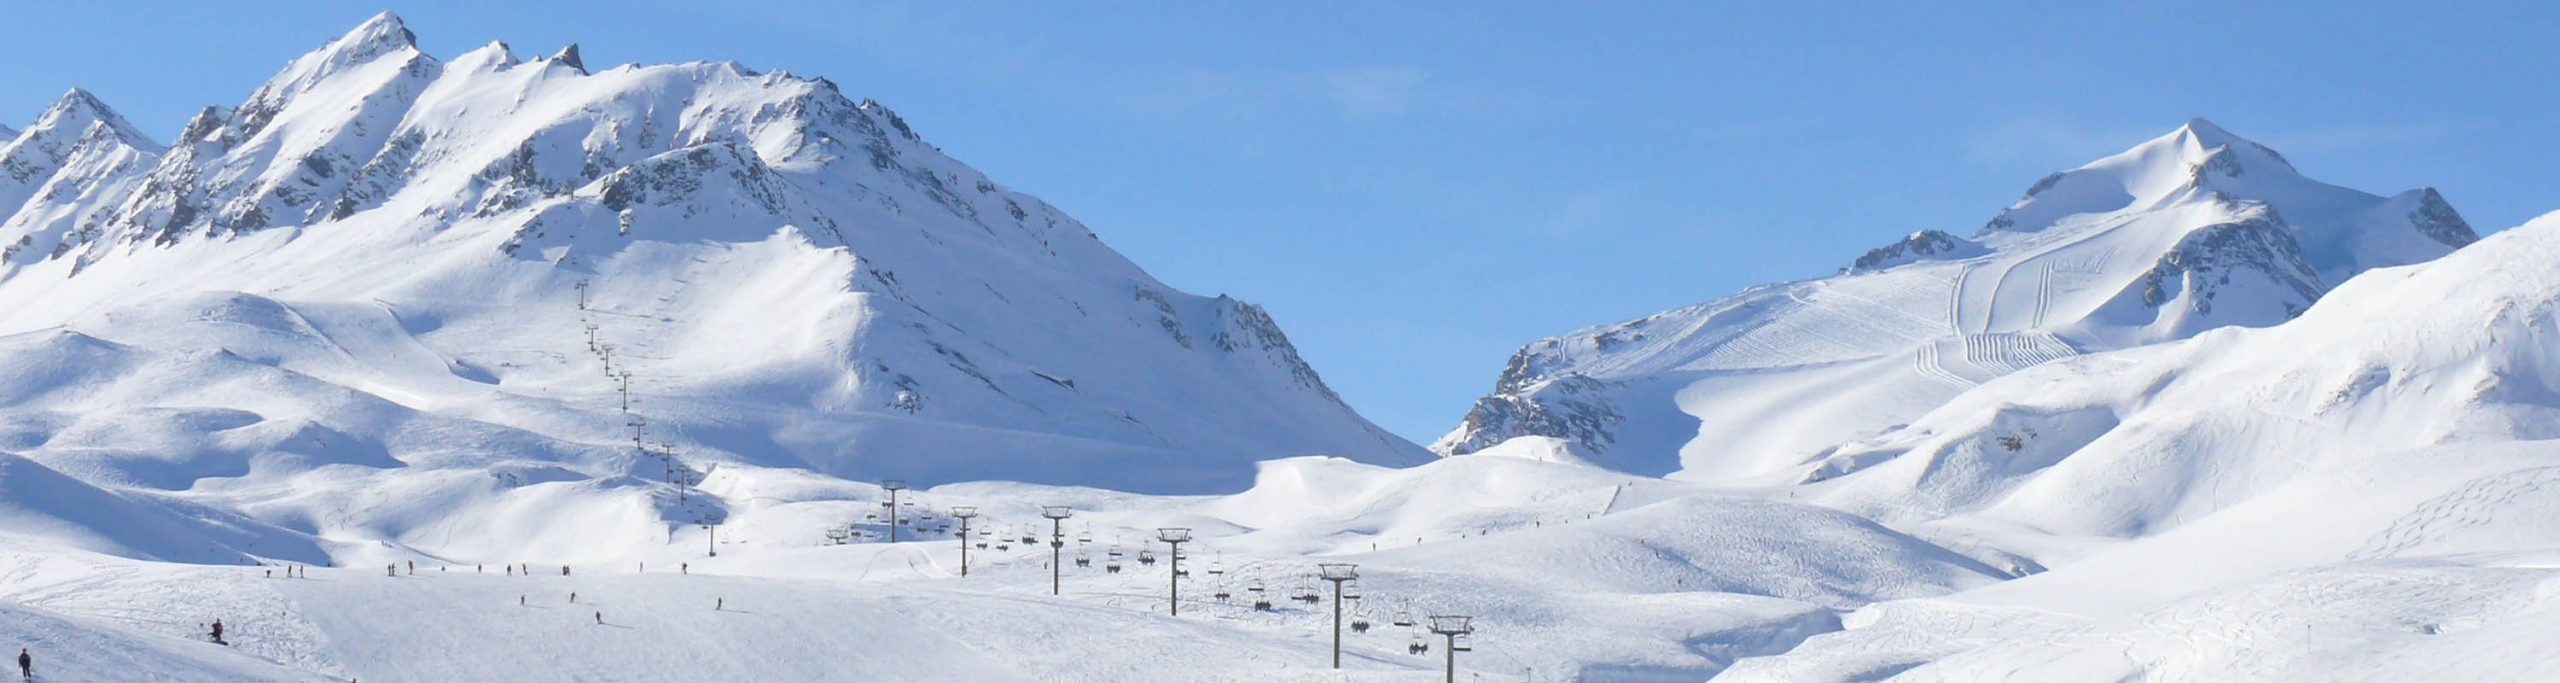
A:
(1572, 407)
(1922, 245)
(2437, 220)
(2206, 259)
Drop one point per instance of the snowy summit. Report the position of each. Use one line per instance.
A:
(2191, 231)
(497, 367)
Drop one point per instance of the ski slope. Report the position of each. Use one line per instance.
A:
(551, 374)
(2195, 230)
(1713, 578)
(2362, 493)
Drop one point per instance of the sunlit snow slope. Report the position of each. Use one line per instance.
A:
(2368, 492)
(2194, 230)
(394, 272)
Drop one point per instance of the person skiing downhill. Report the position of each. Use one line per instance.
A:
(26, 665)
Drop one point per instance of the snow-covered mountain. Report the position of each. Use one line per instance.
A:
(2366, 492)
(387, 274)
(2195, 230)
(2452, 352)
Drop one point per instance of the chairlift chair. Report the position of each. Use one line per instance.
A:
(1261, 605)
(1111, 567)
(1460, 644)
(1256, 587)
(1403, 619)
(1418, 646)
(1359, 625)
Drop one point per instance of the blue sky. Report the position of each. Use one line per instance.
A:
(1416, 189)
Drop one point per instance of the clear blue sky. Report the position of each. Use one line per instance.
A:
(1415, 190)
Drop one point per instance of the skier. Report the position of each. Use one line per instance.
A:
(392, 569)
(718, 604)
(511, 570)
(573, 596)
(217, 633)
(564, 570)
(26, 665)
(413, 567)
(599, 618)
(685, 567)
(519, 601)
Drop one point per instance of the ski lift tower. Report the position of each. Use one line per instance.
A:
(893, 486)
(1175, 537)
(1337, 572)
(965, 513)
(1057, 515)
(1451, 626)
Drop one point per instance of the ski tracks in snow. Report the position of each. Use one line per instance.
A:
(1929, 364)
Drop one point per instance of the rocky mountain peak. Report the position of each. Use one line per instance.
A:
(1922, 245)
(71, 115)
(498, 191)
(568, 56)
(375, 37)
(2437, 220)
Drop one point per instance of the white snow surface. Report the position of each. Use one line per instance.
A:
(2195, 230)
(1661, 581)
(387, 261)
(2179, 415)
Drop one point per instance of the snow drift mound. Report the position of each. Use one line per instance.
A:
(37, 503)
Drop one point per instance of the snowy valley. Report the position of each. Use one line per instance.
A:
(504, 368)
